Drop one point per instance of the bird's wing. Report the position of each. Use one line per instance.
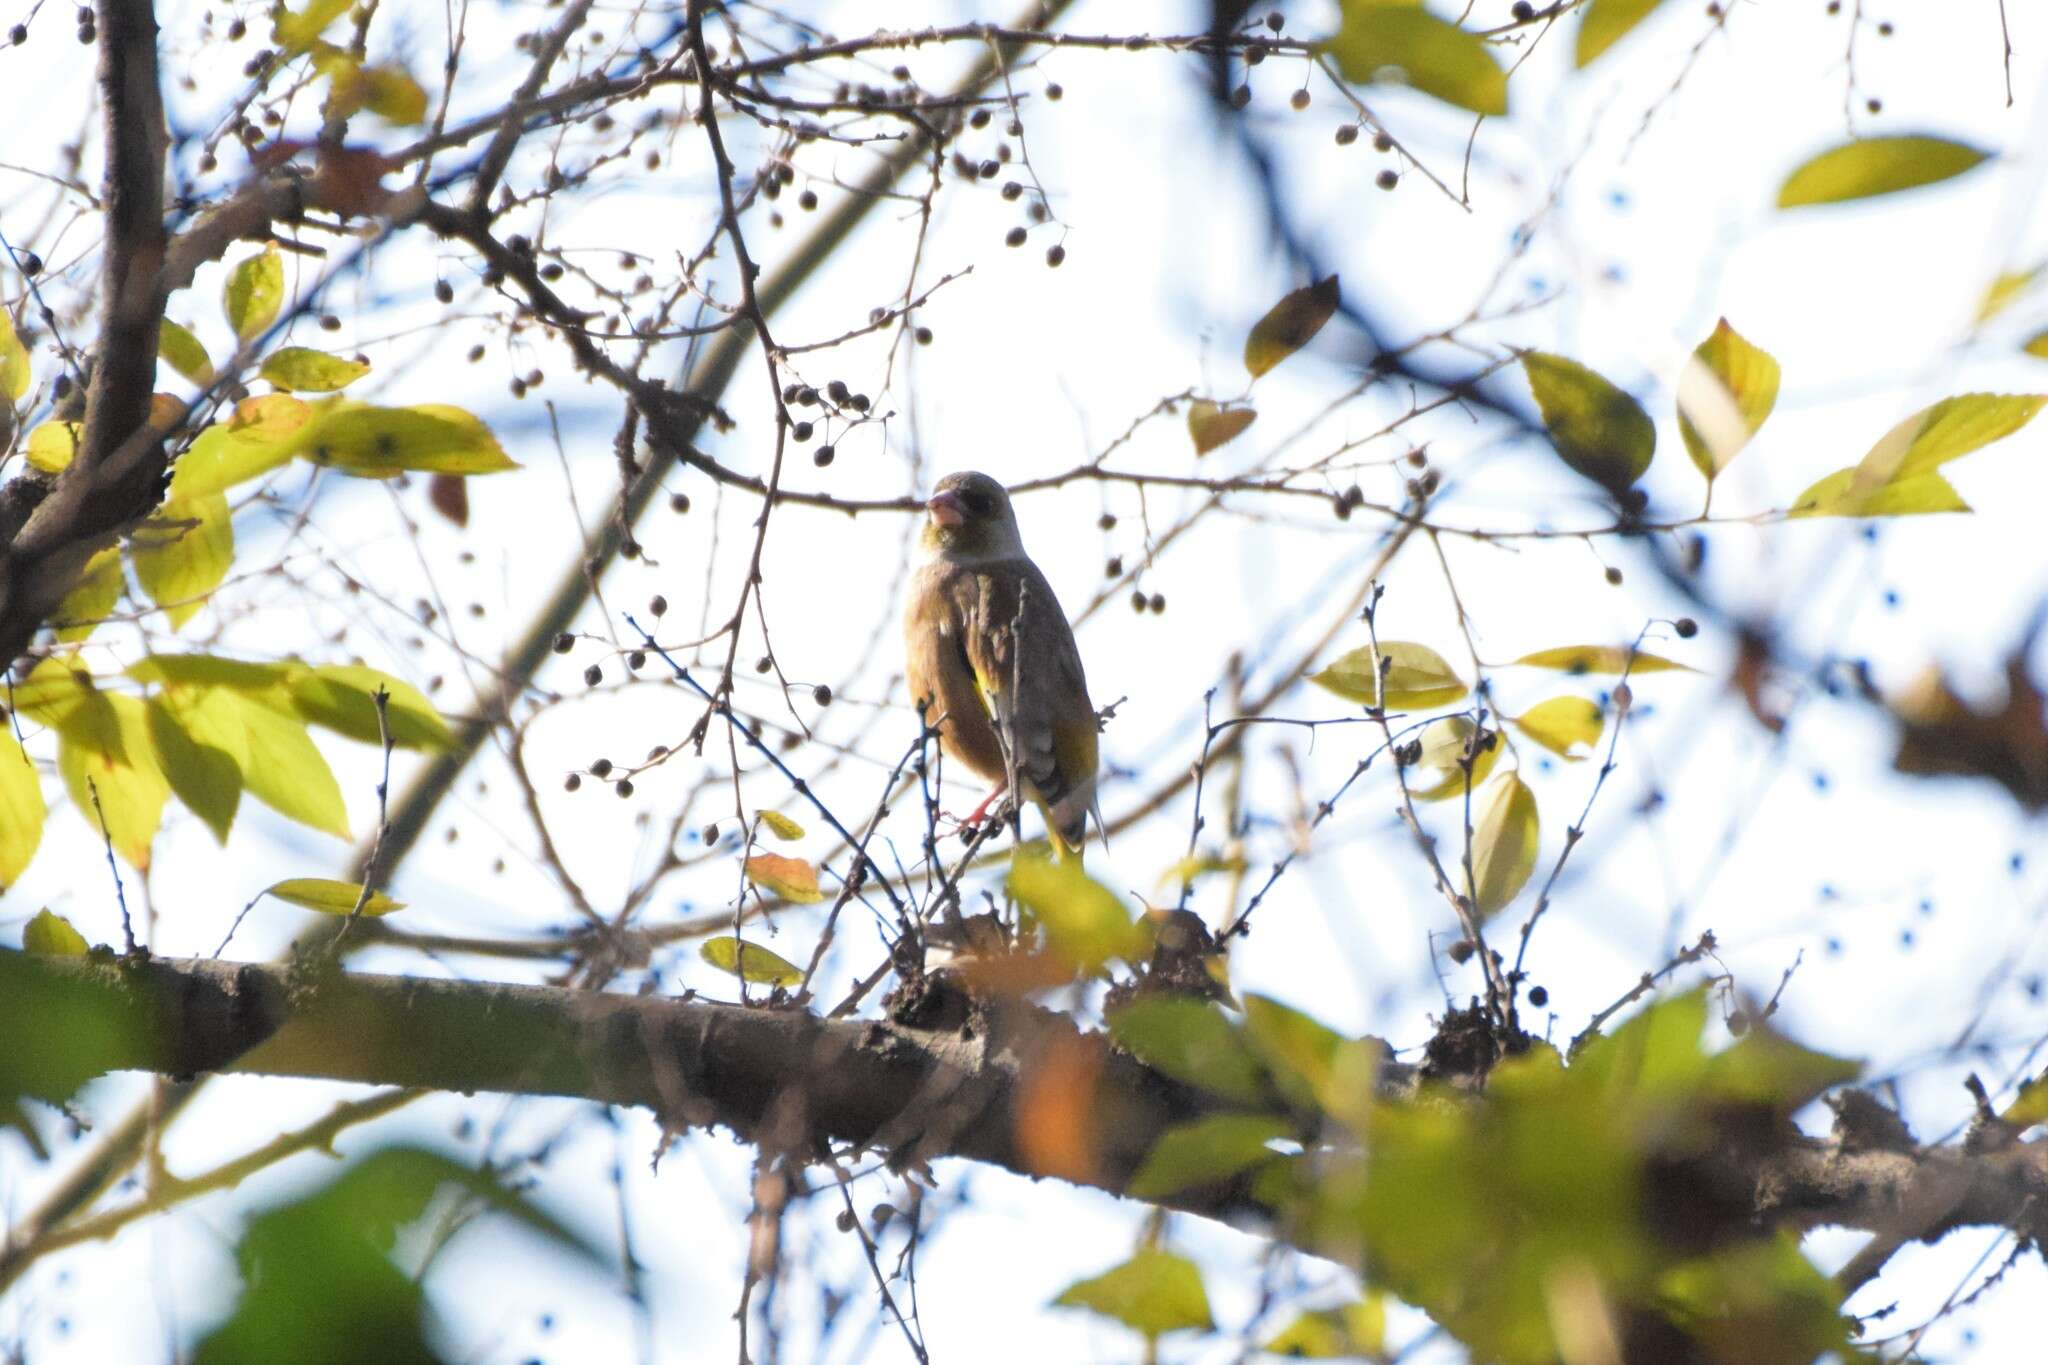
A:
(936, 665)
(1028, 671)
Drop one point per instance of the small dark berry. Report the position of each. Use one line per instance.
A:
(1054, 91)
(1014, 237)
(657, 606)
(679, 502)
(1538, 996)
(1139, 602)
(763, 664)
(593, 675)
(1298, 100)
(476, 353)
(19, 35)
(624, 788)
(978, 119)
(1461, 951)
(1054, 255)
(1012, 190)
(1347, 135)
(801, 431)
(1106, 522)
(822, 695)
(1159, 601)
(444, 291)
(1241, 97)
(637, 660)
(1115, 567)
(1386, 180)
(1614, 575)
(1686, 627)
(564, 642)
(1382, 143)
(1522, 11)
(924, 336)
(601, 768)
(807, 201)
(710, 835)
(572, 782)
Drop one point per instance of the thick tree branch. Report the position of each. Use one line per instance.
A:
(113, 479)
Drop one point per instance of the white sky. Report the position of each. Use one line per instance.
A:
(1781, 852)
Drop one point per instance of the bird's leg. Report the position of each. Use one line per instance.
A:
(975, 816)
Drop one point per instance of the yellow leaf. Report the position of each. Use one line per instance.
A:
(281, 766)
(52, 936)
(1290, 325)
(1405, 43)
(1869, 166)
(380, 442)
(1210, 426)
(302, 369)
(1443, 752)
(256, 439)
(296, 31)
(1154, 1292)
(1197, 865)
(342, 697)
(91, 598)
(203, 766)
(1085, 923)
(183, 552)
(1601, 659)
(114, 757)
(394, 96)
(52, 444)
(21, 809)
(2002, 292)
(1836, 496)
(792, 879)
(2037, 345)
(1945, 431)
(331, 897)
(1598, 429)
(1725, 392)
(1603, 23)
(180, 350)
(1562, 724)
(50, 692)
(210, 670)
(14, 373)
(254, 294)
(750, 962)
(781, 826)
(1504, 843)
(1415, 677)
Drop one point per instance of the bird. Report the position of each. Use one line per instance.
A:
(992, 664)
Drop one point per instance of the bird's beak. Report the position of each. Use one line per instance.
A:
(946, 510)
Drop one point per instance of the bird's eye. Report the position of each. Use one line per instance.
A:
(978, 504)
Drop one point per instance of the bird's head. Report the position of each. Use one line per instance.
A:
(968, 519)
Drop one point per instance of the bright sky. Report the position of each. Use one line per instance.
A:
(1651, 213)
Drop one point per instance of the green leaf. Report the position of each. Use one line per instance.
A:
(343, 697)
(1505, 839)
(1415, 677)
(382, 442)
(50, 692)
(1191, 1041)
(183, 552)
(281, 766)
(394, 96)
(1898, 476)
(1155, 1292)
(792, 879)
(180, 350)
(1725, 392)
(109, 751)
(1443, 752)
(21, 809)
(750, 962)
(1581, 659)
(1210, 426)
(1562, 725)
(1085, 923)
(1288, 326)
(51, 445)
(52, 936)
(1604, 22)
(254, 294)
(331, 897)
(91, 598)
(14, 372)
(1356, 1329)
(1764, 1294)
(1405, 43)
(1300, 1051)
(1204, 1151)
(256, 439)
(1599, 430)
(1870, 166)
(1767, 1070)
(203, 770)
(304, 370)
